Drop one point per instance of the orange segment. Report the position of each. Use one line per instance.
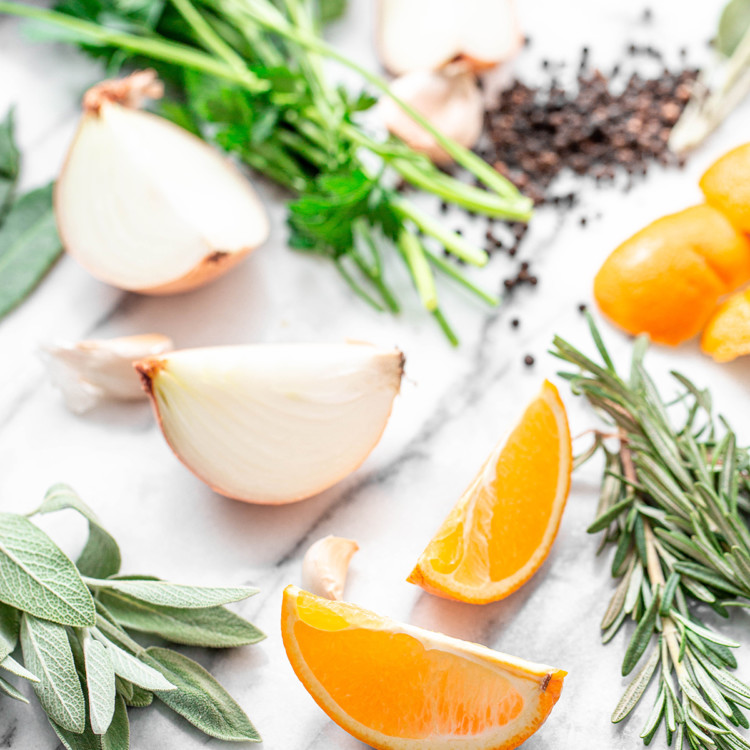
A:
(667, 279)
(726, 186)
(398, 687)
(501, 530)
(727, 335)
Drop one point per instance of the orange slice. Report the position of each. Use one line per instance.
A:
(501, 530)
(727, 335)
(398, 687)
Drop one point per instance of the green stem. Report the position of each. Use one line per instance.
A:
(452, 242)
(445, 327)
(159, 49)
(449, 270)
(419, 266)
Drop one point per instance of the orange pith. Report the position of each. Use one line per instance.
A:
(727, 335)
(398, 687)
(502, 529)
(667, 279)
(726, 186)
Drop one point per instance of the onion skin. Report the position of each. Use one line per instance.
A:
(149, 370)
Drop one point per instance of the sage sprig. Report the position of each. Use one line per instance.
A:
(72, 621)
(673, 501)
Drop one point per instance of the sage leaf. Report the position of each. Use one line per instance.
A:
(213, 627)
(124, 688)
(175, 594)
(9, 664)
(11, 691)
(200, 699)
(10, 162)
(117, 736)
(138, 697)
(29, 245)
(100, 685)
(10, 624)
(38, 578)
(47, 653)
(133, 669)
(100, 557)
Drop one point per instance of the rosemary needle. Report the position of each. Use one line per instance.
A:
(673, 502)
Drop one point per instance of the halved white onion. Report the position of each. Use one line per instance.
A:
(273, 423)
(428, 34)
(147, 206)
(449, 98)
(90, 371)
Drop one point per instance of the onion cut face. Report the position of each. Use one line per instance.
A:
(147, 206)
(273, 423)
(429, 34)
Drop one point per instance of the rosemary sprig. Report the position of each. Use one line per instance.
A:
(672, 504)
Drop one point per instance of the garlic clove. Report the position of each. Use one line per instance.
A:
(276, 423)
(428, 34)
(146, 206)
(326, 564)
(450, 99)
(88, 372)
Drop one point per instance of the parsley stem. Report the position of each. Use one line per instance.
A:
(415, 257)
(451, 241)
(159, 49)
(450, 271)
(445, 327)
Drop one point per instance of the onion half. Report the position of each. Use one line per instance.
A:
(147, 206)
(273, 423)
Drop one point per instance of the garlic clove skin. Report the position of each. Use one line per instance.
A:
(88, 372)
(429, 34)
(325, 565)
(450, 99)
(274, 423)
(147, 206)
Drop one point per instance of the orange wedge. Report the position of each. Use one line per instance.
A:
(727, 335)
(501, 530)
(398, 687)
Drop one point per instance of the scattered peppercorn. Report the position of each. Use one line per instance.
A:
(528, 360)
(515, 323)
(582, 307)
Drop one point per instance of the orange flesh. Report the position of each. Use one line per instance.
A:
(503, 516)
(390, 683)
(727, 335)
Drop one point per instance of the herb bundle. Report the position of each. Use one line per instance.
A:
(673, 504)
(248, 75)
(72, 621)
(29, 244)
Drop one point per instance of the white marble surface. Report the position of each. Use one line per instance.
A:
(455, 404)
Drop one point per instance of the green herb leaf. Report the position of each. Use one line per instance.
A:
(201, 699)
(29, 245)
(214, 627)
(331, 10)
(734, 22)
(133, 668)
(10, 624)
(100, 685)
(38, 578)
(10, 161)
(636, 688)
(139, 698)
(47, 653)
(641, 637)
(117, 736)
(175, 594)
(11, 665)
(11, 691)
(100, 557)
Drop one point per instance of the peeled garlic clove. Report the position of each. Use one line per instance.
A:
(146, 206)
(450, 99)
(273, 423)
(91, 371)
(428, 34)
(326, 564)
